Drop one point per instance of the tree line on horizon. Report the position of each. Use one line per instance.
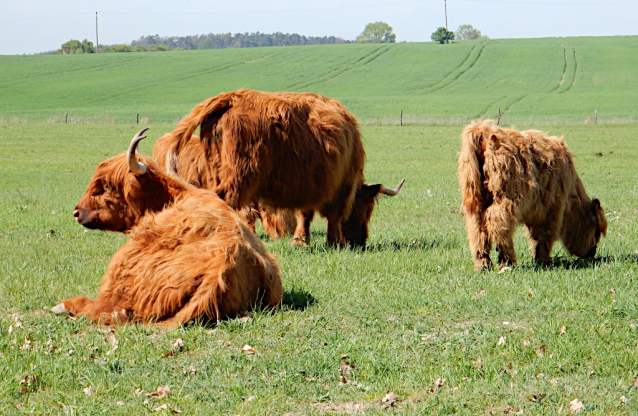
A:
(377, 32)
(154, 43)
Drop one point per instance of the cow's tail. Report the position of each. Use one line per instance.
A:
(206, 114)
(470, 173)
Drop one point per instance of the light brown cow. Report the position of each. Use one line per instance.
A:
(284, 150)
(199, 168)
(508, 178)
(189, 257)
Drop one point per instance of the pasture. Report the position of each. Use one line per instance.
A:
(405, 313)
(408, 316)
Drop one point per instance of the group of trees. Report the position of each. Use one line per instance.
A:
(377, 32)
(210, 41)
(237, 40)
(380, 32)
(75, 46)
(464, 32)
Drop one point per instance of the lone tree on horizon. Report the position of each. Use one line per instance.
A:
(467, 32)
(377, 32)
(442, 35)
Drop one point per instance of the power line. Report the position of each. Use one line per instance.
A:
(199, 13)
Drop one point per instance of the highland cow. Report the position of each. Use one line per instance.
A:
(189, 256)
(200, 169)
(283, 150)
(508, 178)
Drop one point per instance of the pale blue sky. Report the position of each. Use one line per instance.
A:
(31, 26)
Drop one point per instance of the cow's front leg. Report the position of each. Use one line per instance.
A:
(302, 231)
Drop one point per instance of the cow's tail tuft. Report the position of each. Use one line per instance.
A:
(470, 173)
(207, 112)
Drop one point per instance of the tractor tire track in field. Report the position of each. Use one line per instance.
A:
(570, 58)
(150, 86)
(196, 74)
(575, 72)
(514, 102)
(98, 66)
(482, 114)
(341, 69)
(458, 71)
(564, 71)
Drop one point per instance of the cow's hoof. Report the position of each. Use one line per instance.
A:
(299, 242)
(59, 309)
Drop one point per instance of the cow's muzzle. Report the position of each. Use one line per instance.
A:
(82, 217)
(590, 253)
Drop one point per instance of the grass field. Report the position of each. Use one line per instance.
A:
(408, 316)
(533, 81)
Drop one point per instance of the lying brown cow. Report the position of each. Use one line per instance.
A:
(201, 169)
(284, 150)
(508, 178)
(189, 256)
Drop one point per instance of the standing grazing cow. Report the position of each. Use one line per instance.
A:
(200, 169)
(284, 150)
(508, 178)
(189, 256)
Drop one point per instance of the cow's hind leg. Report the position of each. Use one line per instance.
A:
(480, 244)
(501, 225)
(302, 232)
(97, 310)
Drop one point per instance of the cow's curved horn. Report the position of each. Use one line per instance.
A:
(392, 192)
(136, 167)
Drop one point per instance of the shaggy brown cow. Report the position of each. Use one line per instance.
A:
(189, 256)
(284, 150)
(200, 169)
(508, 178)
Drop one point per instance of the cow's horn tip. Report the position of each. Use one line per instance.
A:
(59, 309)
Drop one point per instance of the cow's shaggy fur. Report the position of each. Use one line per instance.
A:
(199, 168)
(284, 150)
(189, 256)
(508, 178)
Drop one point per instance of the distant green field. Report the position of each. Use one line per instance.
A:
(532, 81)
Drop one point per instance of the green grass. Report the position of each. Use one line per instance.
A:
(404, 313)
(533, 81)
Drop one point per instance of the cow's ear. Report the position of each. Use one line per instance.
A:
(595, 205)
(495, 141)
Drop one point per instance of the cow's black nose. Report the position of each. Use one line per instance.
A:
(76, 213)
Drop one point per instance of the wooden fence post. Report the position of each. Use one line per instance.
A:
(401, 119)
(596, 116)
(137, 119)
(66, 116)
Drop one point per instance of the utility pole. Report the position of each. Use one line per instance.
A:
(445, 15)
(97, 40)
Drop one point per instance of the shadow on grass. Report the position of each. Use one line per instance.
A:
(297, 299)
(575, 263)
(420, 244)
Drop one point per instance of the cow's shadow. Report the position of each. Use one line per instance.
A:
(297, 299)
(412, 244)
(575, 263)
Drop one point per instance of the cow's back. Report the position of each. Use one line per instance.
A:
(532, 170)
(292, 150)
